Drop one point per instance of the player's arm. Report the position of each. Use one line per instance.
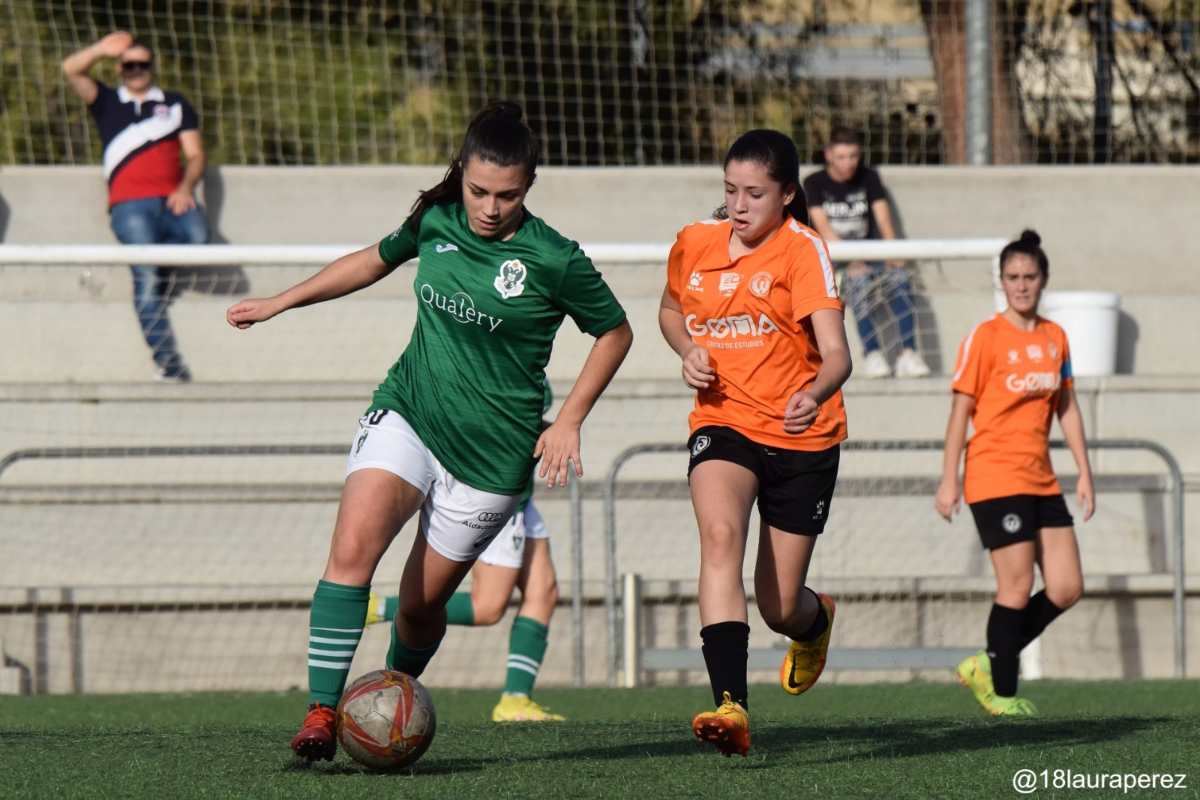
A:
(75, 66)
(1071, 421)
(829, 329)
(949, 491)
(697, 372)
(559, 443)
(183, 198)
(347, 274)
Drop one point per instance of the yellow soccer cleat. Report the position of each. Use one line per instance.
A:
(805, 661)
(521, 708)
(728, 728)
(375, 610)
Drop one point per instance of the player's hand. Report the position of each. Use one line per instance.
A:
(801, 412)
(180, 202)
(245, 313)
(1085, 492)
(697, 372)
(114, 44)
(948, 498)
(558, 445)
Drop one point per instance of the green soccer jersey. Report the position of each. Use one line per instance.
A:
(472, 379)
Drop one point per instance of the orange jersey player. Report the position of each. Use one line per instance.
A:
(1013, 376)
(752, 309)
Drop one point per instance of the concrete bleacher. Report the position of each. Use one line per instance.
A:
(79, 375)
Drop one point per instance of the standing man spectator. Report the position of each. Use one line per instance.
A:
(150, 193)
(846, 200)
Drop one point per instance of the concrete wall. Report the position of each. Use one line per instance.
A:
(1123, 229)
(74, 372)
(1140, 247)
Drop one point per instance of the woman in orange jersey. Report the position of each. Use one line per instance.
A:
(752, 309)
(1013, 376)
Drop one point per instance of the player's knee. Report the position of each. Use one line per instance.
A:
(1065, 594)
(488, 612)
(1013, 591)
(720, 542)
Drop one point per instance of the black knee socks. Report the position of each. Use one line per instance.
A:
(819, 624)
(1003, 647)
(726, 650)
(1038, 614)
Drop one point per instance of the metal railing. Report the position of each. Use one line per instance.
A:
(621, 659)
(67, 605)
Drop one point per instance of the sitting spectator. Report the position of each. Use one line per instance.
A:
(846, 200)
(150, 194)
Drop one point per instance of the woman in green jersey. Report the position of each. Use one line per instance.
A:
(455, 428)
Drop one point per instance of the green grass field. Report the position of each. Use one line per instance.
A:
(876, 741)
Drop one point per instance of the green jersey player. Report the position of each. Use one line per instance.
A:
(454, 431)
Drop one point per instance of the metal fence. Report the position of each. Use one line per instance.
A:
(628, 658)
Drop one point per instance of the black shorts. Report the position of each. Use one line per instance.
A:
(1018, 518)
(795, 487)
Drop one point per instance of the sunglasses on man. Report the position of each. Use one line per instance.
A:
(129, 67)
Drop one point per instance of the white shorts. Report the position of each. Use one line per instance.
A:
(458, 521)
(508, 549)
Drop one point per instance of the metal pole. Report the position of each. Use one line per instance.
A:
(74, 639)
(979, 83)
(631, 602)
(577, 576)
(610, 565)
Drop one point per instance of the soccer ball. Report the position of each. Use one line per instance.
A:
(386, 719)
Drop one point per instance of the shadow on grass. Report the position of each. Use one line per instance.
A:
(887, 739)
(913, 738)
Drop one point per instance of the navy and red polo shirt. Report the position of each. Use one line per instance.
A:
(141, 140)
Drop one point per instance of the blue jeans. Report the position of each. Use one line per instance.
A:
(149, 221)
(896, 291)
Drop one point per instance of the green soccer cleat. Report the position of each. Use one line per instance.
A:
(1010, 707)
(975, 673)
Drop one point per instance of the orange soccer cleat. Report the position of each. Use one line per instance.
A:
(728, 728)
(317, 738)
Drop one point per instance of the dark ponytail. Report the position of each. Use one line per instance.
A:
(499, 135)
(777, 152)
(1028, 244)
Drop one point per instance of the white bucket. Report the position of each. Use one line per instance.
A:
(1090, 320)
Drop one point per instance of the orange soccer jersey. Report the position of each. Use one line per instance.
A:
(752, 317)
(1016, 378)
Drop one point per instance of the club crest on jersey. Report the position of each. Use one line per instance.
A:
(760, 284)
(729, 282)
(1052, 349)
(511, 280)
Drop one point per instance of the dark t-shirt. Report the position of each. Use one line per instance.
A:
(848, 204)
